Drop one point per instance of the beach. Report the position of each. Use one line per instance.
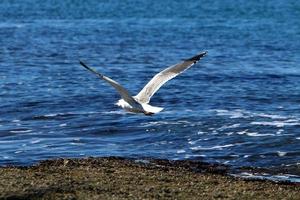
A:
(119, 178)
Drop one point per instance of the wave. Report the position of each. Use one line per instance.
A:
(239, 113)
(21, 131)
(266, 176)
(119, 112)
(279, 124)
(232, 113)
(217, 147)
(60, 115)
(254, 134)
(35, 141)
(160, 123)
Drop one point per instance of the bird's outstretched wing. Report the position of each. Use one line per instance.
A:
(121, 90)
(159, 79)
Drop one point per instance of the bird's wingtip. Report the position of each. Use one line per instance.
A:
(84, 65)
(197, 57)
(80, 62)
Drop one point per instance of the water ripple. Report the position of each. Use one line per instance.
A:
(237, 106)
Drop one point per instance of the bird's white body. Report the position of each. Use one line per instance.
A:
(143, 108)
(140, 102)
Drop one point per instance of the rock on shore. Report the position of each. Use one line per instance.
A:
(117, 178)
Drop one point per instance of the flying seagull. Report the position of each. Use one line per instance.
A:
(140, 102)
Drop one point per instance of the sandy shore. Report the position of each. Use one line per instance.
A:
(117, 178)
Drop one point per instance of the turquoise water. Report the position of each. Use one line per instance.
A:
(239, 105)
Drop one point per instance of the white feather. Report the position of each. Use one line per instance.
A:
(140, 102)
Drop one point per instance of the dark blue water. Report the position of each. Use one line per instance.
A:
(239, 105)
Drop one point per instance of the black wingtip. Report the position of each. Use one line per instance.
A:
(85, 66)
(91, 69)
(197, 57)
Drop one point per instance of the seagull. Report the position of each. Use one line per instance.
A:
(140, 102)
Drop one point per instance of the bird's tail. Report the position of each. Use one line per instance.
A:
(152, 109)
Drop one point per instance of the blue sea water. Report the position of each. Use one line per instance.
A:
(238, 106)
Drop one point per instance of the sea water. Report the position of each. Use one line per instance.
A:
(238, 106)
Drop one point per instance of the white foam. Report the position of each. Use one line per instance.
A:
(159, 123)
(278, 124)
(229, 133)
(238, 113)
(35, 141)
(281, 153)
(224, 127)
(119, 112)
(218, 147)
(21, 131)
(271, 116)
(195, 141)
(181, 151)
(242, 132)
(76, 144)
(71, 113)
(194, 155)
(283, 177)
(254, 134)
(233, 114)
(279, 131)
(200, 133)
(53, 114)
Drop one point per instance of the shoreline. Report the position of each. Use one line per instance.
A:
(119, 178)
